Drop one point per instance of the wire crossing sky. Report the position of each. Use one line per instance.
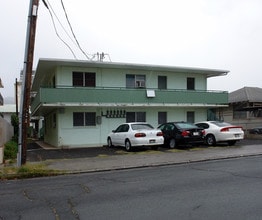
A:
(217, 34)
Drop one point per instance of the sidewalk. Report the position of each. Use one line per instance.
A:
(107, 159)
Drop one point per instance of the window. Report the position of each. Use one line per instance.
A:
(203, 125)
(78, 119)
(82, 79)
(135, 117)
(90, 79)
(162, 117)
(190, 117)
(162, 82)
(90, 118)
(135, 81)
(78, 79)
(167, 127)
(191, 83)
(122, 128)
(84, 118)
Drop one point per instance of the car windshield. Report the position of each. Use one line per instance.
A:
(184, 125)
(142, 126)
(220, 123)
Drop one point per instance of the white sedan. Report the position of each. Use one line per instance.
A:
(135, 134)
(216, 131)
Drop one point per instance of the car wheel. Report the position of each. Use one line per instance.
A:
(210, 140)
(172, 143)
(231, 143)
(128, 145)
(109, 142)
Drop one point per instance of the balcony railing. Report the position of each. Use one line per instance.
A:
(124, 95)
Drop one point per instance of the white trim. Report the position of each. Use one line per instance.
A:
(131, 105)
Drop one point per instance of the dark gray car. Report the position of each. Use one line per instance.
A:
(182, 133)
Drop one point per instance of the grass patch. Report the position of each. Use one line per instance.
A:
(10, 150)
(148, 152)
(102, 155)
(175, 150)
(122, 152)
(27, 171)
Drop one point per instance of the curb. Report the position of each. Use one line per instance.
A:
(66, 172)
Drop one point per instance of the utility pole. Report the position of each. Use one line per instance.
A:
(24, 118)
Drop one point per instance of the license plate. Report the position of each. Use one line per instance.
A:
(195, 133)
(237, 135)
(152, 141)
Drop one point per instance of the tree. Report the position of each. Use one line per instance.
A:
(15, 124)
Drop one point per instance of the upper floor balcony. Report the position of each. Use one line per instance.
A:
(101, 96)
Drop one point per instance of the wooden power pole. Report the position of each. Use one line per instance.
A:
(27, 79)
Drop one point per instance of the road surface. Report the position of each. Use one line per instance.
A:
(225, 189)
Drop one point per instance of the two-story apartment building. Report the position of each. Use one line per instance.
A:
(82, 101)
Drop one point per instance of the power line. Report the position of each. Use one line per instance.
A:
(100, 57)
(59, 22)
(52, 18)
(72, 30)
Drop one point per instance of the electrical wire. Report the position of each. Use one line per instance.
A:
(74, 41)
(63, 6)
(59, 22)
(48, 5)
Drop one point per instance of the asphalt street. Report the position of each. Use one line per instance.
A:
(221, 189)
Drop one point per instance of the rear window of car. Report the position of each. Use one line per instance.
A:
(186, 125)
(220, 124)
(142, 126)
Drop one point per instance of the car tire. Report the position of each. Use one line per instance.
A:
(109, 142)
(210, 140)
(231, 143)
(128, 145)
(172, 143)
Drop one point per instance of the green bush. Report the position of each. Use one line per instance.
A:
(15, 123)
(10, 150)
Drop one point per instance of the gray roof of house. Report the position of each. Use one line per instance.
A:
(246, 94)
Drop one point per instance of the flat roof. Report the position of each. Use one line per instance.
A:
(8, 108)
(46, 64)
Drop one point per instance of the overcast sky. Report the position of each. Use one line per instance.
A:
(215, 34)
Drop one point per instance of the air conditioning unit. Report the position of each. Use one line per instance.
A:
(140, 84)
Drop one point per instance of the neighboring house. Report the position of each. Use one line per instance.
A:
(82, 101)
(245, 108)
(7, 111)
(6, 129)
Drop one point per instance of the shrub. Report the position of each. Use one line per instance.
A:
(15, 123)
(10, 150)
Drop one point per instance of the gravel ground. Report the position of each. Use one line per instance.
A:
(37, 153)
